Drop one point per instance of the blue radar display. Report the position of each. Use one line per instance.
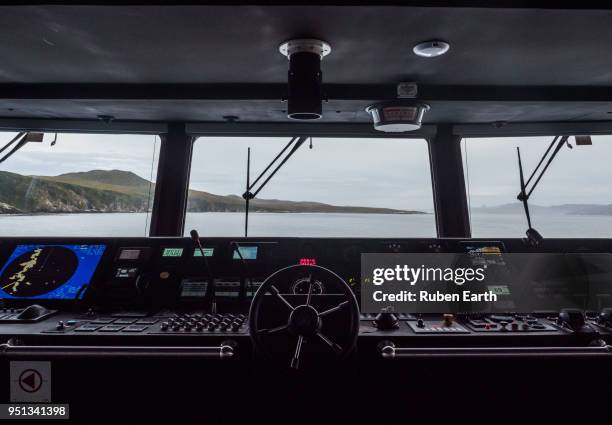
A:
(56, 272)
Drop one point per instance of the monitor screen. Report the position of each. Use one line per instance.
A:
(56, 272)
(247, 253)
(172, 252)
(208, 252)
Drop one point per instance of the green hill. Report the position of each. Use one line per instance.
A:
(124, 191)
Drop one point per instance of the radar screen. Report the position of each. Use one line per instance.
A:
(49, 271)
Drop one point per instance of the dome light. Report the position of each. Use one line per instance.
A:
(397, 116)
(431, 49)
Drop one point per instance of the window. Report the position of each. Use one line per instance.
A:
(339, 188)
(573, 199)
(83, 185)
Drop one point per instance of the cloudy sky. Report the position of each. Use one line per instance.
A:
(389, 173)
(579, 175)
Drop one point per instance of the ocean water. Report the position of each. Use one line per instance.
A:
(302, 225)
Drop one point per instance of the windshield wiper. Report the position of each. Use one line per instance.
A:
(20, 141)
(534, 238)
(251, 192)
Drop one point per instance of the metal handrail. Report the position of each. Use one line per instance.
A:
(388, 351)
(12, 348)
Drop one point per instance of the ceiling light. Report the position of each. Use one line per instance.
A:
(431, 49)
(397, 116)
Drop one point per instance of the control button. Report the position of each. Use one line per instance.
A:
(448, 319)
(102, 321)
(125, 321)
(164, 326)
(147, 321)
(135, 328)
(515, 326)
(87, 328)
(111, 328)
(71, 322)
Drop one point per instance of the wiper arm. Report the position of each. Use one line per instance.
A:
(20, 141)
(250, 193)
(533, 236)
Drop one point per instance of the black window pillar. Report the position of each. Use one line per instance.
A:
(450, 198)
(172, 184)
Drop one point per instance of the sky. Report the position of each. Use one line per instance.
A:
(391, 173)
(582, 174)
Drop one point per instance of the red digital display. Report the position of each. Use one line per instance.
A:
(308, 261)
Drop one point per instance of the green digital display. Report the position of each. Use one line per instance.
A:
(172, 252)
(208, 252)
(247, 253)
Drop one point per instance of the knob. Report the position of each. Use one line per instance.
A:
(60, 325)
(386, 320)
(572, 318)
(504, 325)
(448, 319)
(605, 317)
(164, 326)
(420, 323)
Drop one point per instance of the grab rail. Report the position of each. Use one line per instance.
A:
(389, 351)
(13, 348)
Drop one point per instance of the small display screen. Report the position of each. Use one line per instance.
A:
(247, 253)
(129, 254)
(172, 252)
(194, 288)
(485, 253)
(56, 272)
(208, 252)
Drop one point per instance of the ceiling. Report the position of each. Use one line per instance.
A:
(80, 49)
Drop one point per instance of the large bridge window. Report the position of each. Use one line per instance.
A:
(77, 184)
(572, 200)
(337, 188)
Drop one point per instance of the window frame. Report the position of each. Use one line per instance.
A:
(519, 130)
(158, 129)
(318, 130)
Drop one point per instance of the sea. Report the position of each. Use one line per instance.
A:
(304, 225)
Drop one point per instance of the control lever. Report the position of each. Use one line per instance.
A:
(246, 279)
(386, 320)
(571, 318)
(605, 317)
(195, 237)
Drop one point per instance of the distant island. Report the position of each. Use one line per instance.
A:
(571, 209)
(113, 191)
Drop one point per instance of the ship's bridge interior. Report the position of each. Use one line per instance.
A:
(191, 196)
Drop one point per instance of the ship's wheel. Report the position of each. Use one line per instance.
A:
(287, 328)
